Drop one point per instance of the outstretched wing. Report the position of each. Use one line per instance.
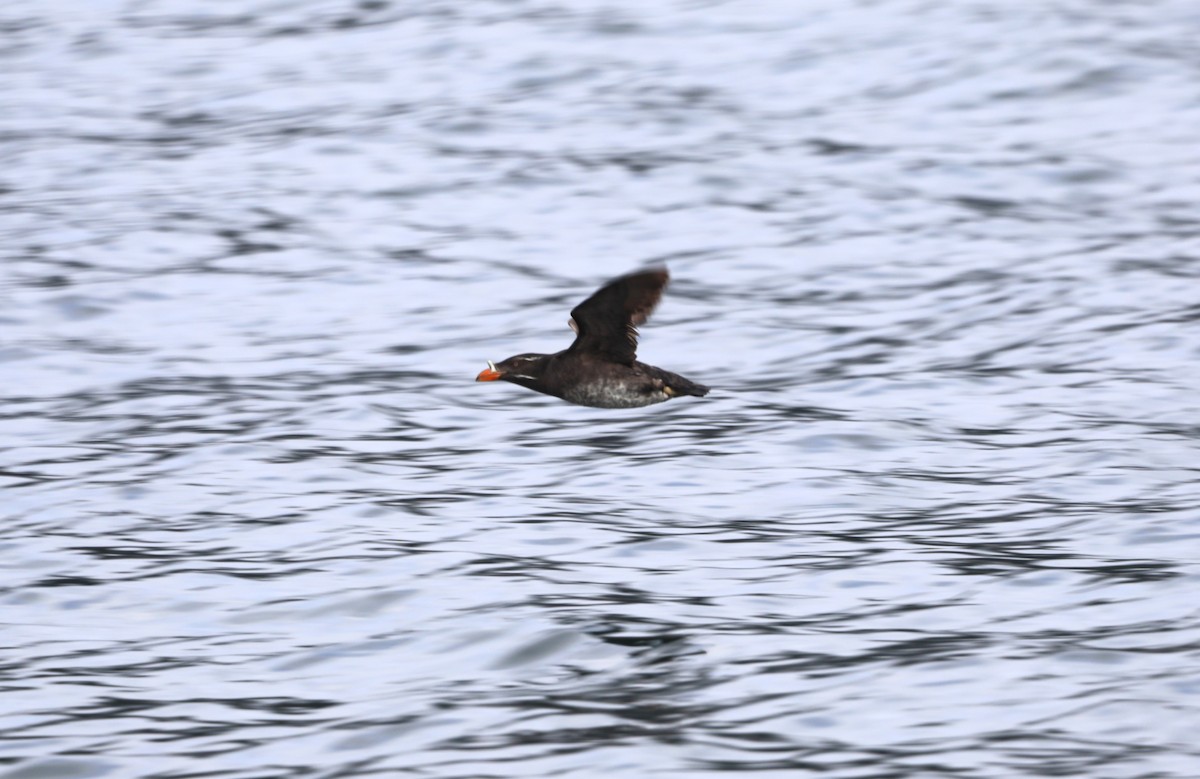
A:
(606, 323)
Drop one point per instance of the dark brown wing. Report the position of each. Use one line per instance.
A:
(606, 323)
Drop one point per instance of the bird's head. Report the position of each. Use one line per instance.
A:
(519, 369)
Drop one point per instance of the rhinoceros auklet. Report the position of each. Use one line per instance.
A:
(599, 368)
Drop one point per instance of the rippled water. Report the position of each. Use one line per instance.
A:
(939, 262)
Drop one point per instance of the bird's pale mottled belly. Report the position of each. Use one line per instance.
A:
(615, 394)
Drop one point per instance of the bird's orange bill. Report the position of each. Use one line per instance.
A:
(488, 374)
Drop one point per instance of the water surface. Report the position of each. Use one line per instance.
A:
(937, 518)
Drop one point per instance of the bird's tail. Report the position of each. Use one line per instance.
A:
(677, 385)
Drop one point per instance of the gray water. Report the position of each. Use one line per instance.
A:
(939, 517)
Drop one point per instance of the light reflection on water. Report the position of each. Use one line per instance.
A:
(937, 517)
